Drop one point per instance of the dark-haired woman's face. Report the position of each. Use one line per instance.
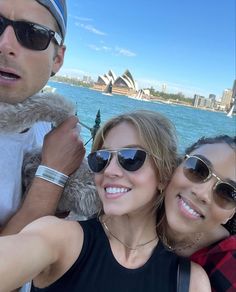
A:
(193, 206)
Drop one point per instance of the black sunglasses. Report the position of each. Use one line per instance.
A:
(30, 35)
(197, 170)
(130, 159)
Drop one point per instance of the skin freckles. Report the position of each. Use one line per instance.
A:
(20, 61)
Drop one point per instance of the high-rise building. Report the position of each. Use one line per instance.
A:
(226, 99)
(163, 88)
(195, 100)
(87, 79)
(212, 100)
(198, 100)
(233, 100)
(212, 96)
(234, 91)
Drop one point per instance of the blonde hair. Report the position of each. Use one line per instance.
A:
(157, 134)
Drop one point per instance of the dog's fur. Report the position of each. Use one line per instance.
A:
(79, 194)
(47, 107)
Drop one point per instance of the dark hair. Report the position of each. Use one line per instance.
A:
(231, 142)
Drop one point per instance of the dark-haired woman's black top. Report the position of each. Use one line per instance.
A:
(97, 270)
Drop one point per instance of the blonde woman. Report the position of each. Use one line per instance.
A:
(133, 158)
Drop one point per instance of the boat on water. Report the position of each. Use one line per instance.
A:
(48, 88)
(109, 94)
(231, 111)
(108, 89)
(139, 96)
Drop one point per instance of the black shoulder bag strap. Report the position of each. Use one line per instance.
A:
(183, 275)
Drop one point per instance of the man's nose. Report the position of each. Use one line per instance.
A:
(8, 42)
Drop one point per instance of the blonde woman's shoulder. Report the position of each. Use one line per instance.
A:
(62, 243)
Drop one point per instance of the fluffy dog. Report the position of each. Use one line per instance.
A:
(79, 194)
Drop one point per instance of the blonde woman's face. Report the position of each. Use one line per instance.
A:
(121, 191)
(191, 207)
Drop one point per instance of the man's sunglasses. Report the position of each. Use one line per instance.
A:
(130, 159)
(30, 35)
(197, 171)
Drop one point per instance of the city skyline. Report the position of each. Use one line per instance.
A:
(189, 47)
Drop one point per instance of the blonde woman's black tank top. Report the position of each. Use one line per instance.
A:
(97, 270)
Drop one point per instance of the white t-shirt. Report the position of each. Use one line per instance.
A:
(12, 150)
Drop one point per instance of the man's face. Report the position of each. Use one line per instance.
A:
(24, 72)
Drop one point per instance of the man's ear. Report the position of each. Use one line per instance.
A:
(58, 59)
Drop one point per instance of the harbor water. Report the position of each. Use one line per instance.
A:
(190, 123)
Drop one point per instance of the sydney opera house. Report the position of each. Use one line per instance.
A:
(124, 84)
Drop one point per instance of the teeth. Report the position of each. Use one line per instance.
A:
(8, 76)
(116, 190)
(190, 210)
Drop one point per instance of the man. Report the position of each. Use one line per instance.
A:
(31, 50)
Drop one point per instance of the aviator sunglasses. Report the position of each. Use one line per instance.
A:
(30, 35)
(130, 159)
(197, 171)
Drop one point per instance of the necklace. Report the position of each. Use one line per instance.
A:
(179, 247)
(126, 245)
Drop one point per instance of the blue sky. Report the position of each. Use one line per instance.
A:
(187, 45)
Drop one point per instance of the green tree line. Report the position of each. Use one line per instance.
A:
(178, 97)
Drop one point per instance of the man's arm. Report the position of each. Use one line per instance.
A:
(62, 151)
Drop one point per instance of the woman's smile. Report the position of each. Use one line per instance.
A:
(122, 191)
(114, 192)
(188, 209)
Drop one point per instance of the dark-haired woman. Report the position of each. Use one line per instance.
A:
(200, 209)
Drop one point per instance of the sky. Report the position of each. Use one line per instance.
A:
(187, 45)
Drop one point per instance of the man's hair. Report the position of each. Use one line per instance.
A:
(58, 9)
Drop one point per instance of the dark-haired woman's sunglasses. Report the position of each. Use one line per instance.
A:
(130, 159)
(196, 170)
(30, 35)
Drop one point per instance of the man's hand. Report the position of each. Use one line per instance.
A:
(62, 148)
(63, 151)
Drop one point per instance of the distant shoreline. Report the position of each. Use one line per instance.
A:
(147, 98)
